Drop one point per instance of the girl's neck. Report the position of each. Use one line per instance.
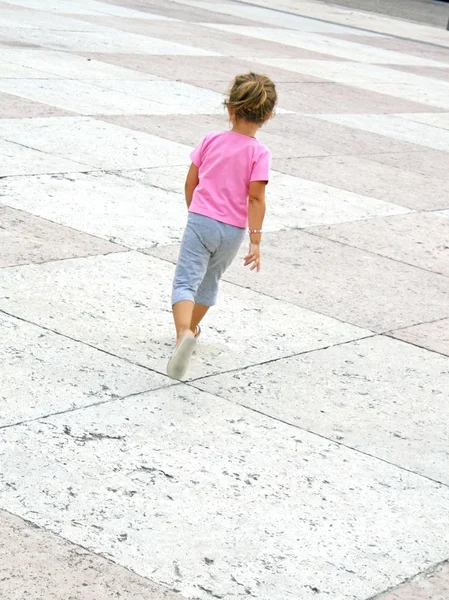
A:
(245, 128)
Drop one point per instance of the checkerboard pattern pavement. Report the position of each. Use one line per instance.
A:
(306, 457)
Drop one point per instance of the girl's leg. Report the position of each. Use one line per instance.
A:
(221, 259)
(182, 315)
(190, 270)
(199, 312)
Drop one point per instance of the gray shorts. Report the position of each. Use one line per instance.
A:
(208, 248)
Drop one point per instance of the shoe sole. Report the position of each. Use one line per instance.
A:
(179, 363)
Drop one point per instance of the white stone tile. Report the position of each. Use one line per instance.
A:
(87, 7)
(436, 94)
(200, 494)
(93, 142)
(16, 159)
(352, 73)
(63, 64)
(107, 206)
(440, 120)
(45, 373)
(277, 18)
(24, 18)
(292, 202)
(327, 45)
(121, 303)
(80, 97)
(17, 71)
(379, 395)
(394, 127)
(374, 78)
(103, 40)
(171, 97)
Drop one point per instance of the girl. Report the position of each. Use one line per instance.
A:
(225, 194)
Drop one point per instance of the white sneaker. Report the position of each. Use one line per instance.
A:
(178, 364)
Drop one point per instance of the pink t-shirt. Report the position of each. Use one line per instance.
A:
(227, 163)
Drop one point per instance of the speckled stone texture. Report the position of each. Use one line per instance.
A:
(29, 555)
(305, 455)
(181, 487)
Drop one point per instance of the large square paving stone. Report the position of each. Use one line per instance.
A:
(433, 335)
(419, 239)
(372, 176)
(33, 559)
(102, 204)
(346, 283)
(292, 202)
(25, 239)
(214, 500)
(17, 159)
(378, 395)
(121, 303)
(45, 373)
(92, 142)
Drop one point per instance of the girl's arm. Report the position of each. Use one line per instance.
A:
(192, 181)
(256, 214)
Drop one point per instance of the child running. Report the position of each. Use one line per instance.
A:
(225, 195)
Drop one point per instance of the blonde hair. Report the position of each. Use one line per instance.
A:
(252, 97)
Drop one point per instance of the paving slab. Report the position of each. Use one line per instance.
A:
(346, 283)
(121, 303)
(125, 493)
(92, 142)
(351, 72)
(100, 41)
(32, 559)
(328, 97)
(434, 72)
(433, 336)
(191, 131)
(45, 373)
(433, 584)
(426, 161)
(391, 177)
(17, 71)
(332, 138)
(292, 202)
(374, 78)
(71, 66)
(14, 107)
(17, 159)
(419, 239)
(396, 128)
(118, 96)
(407, 46)
(180, 12)
(378, 395)
(198, 68)
(91, 7)
(276, 18)
(211, 41)
(327, 45)
(440, 120)
(28, 239)
(108, 206)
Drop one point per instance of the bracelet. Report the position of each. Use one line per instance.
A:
(254, 231)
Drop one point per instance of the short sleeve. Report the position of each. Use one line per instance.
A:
(196, 156)
(261, 168)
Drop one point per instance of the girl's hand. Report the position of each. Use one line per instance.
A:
(253, 257)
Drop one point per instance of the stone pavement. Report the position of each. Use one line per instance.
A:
(307, 455)
(431, 12)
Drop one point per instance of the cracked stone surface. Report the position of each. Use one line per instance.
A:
(28, 554)
(305, 456)
(132, 488)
